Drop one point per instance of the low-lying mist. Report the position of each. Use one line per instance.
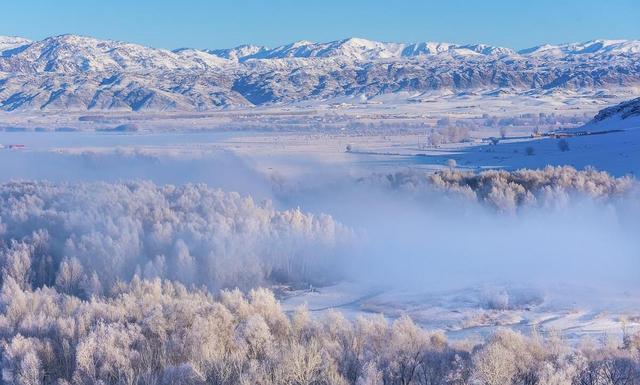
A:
(545, 228)
(217, 168)
(406, 229)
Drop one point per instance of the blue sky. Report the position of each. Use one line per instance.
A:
(221, 23)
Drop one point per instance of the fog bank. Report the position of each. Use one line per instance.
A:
(452, 229)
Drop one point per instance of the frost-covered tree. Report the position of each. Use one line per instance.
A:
(510, 190)
(85, 237)
(160, 332)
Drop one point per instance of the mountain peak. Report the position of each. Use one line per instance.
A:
(11, 42)
(300, 43)
(358, 41)
(598, 46)
(72, 39)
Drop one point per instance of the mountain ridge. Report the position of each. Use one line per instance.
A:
(397, 50)
(71, 72)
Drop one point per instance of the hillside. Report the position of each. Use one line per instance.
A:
(625, 115)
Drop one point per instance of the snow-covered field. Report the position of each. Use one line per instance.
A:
(476, 312)
(278, 165)
(387, 113)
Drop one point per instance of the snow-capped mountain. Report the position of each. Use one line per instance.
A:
(357, 49)
(599, 47)
(71, 72)
(71, 54)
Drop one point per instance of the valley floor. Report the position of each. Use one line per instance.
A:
(266, 157)
(476, 312)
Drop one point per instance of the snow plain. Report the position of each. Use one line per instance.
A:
(266, 163)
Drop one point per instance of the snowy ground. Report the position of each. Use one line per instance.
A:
(252, 160)
(472, 312)
(616, 152)
(387, 113)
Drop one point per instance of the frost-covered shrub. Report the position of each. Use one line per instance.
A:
(510, 298)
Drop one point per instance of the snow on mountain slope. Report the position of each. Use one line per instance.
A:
(71, 72)
(73, 54)
(11, 42)
(353, 48)
(357, 49)
(240, 52)
(625, 115)
(597, 47)
(362, 49)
